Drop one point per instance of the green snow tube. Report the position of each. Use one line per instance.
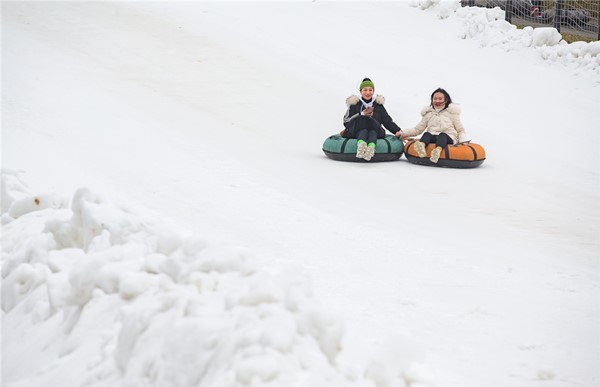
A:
(340, 148)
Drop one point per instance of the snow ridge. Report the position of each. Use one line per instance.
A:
(135, 300)
(488, 27)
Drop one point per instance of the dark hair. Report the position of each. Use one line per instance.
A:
(446, 96)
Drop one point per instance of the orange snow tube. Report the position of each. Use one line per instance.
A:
(466, 155)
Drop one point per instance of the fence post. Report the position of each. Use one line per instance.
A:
(558, 14)
(509, 10)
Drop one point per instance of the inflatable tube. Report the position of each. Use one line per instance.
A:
(340, 148)
(466, 155)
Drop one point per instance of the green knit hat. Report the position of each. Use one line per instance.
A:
(366, 83)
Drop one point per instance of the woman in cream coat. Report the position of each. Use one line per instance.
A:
(441, 124)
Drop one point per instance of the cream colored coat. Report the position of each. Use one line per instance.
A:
(447, 121)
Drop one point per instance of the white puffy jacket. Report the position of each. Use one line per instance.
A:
(446, 121)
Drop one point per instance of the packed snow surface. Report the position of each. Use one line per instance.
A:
(169, 219)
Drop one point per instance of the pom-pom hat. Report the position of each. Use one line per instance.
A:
(366, 83)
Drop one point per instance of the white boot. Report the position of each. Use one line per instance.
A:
(435, 154)
(420, 148)
(369, 153)
(360, 150)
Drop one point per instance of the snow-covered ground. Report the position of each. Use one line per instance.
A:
(169, 218)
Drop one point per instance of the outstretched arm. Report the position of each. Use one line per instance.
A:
(421, 126)
(388, 122)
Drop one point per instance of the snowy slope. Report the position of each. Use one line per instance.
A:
(211, 116)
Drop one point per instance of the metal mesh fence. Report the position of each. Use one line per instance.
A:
(578, 18)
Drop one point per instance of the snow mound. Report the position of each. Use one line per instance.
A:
(16, 200)
(103, 294)
(488, 27)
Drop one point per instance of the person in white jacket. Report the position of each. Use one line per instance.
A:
(441, 124)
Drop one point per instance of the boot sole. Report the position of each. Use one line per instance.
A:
(421, 150)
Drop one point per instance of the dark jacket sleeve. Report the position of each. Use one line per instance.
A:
(352, 113)
(387, 121)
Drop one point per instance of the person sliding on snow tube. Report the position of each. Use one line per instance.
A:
(441, 124)
(364, 118)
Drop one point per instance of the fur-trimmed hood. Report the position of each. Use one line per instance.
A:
(353, 100)
(452, 109)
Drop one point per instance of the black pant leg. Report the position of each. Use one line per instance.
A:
(443, 140)
(363, 134)
(426, 138)
(372, 136)
(366, 129)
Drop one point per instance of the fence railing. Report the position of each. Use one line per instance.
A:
(578, 18)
